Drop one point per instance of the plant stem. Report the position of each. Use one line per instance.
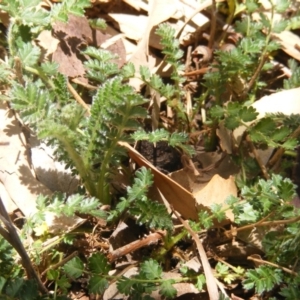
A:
(263, 57)
(10, 40)
(102, 187)
(78, 162)
(261, 261)
(42, 75)
(61, 263)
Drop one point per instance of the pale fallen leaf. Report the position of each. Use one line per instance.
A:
(286, 102)
(62, 224)
(129, 46)
(289, 41)
(21, 186)
(10, 206)
(198, 21)
(15, 173)
(49, 43)
(137, 4)
(183, 31)
(50, 172)
(160, 10)
(217, 164)
(112, 291)
(182, 288)
(193, 264)
(216, 191)
(128, 25)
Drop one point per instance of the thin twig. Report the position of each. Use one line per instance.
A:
(150, 239)
(15, 241)
(257, 157)
(18, 70)
(280, 151)
(197, 72)
(85, 85)
(213, 25)
(266, 223)
(202, 6)
(265, 262)
(61, 263)
(211, 284)
(78, 98)
(263, 58)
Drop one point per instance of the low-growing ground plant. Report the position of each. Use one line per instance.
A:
(87, 139)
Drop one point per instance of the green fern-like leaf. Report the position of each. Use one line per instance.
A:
(152, 214)
(97, 284)
(74, 204)
(50, 68)
(98, 264)
(62, 10)
(175, 139)
(32, 101)
(74, 268)
(167, 289)
(173, 53)
(98, 23)
(294, 80)
(29, 54)
(263, 279)
(61, 90)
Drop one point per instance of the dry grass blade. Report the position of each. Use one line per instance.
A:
(211, 284)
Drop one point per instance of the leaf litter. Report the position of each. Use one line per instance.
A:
(186, 190)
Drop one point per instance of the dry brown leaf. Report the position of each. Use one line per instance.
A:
(75, 35)
(215, 191)
(4, 17)
(129, 46)
(181, 199)
(225, 138)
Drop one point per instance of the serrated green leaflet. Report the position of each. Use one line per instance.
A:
(74, 267)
